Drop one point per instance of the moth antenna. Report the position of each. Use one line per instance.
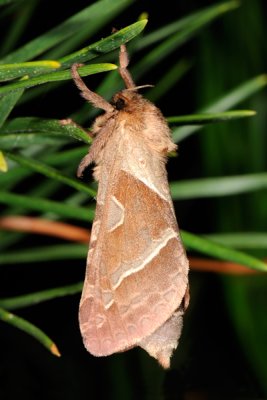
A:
(139, 87)
(94, 98)
(124, 73)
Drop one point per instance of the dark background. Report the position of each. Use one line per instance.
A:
(210, 361)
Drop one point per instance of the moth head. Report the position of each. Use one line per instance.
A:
(119, 101)
(125, 99)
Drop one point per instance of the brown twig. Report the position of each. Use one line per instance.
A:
(76, 234)
(45, 227)
(220, 267)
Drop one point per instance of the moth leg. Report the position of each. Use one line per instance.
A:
(102, 137)
(87, 160)
(69, 121)
(94, 98)
(124, 73)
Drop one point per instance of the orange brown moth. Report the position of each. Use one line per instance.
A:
(136, 284)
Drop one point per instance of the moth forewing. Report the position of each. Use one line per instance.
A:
(137, 270)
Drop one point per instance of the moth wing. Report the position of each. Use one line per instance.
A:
(136, 269)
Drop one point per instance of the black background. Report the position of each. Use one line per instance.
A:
(209, 362)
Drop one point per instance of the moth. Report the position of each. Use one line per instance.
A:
(136, 285)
